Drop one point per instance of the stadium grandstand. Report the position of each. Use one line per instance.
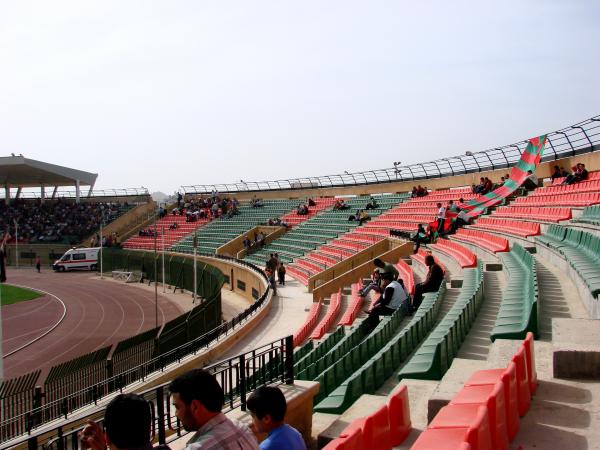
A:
(503, 353)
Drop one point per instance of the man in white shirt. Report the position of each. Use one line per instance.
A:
(441, 216)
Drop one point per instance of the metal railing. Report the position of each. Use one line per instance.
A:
(239, 375)
(582, 137)
(83, 193)
(27, 422)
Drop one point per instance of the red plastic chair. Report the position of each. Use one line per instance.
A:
(442, 439)
(469, 416)
(508, 377)
(523, 392)
(492, 397)
(530, 354)
(399, 411)
(351, 441)
(375, 429)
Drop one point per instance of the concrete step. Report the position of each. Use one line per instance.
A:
(477, 343)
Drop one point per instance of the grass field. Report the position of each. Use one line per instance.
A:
(13, 294)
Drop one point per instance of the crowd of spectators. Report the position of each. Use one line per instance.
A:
(55, 220)
(419, 191)
(195, 208)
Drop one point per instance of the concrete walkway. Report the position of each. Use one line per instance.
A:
(288, 311)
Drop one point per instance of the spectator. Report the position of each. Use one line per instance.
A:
(340, 205)
(502, 181)
(487, 185)
(556, 173)
(246, 242)
(363, 217)
(480, 187)
(579, 174)
(198, 400)
(281, 273)
(373, 285)
(441, 218)
(394, 296)
(127, 421)
(311, 202)
(173, 226)
(563, 172)
(38, 263)
(461, 219)
(452, 207)
(384, 267)
(372, 204)
(435, 276)
(420, 237)
(267, 406)
(414, 193)
(531, 182)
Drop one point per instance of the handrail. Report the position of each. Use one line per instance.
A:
(71, 193)
(238, 375)
(582, 137)
(93, 393)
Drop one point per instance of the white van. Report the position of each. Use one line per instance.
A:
(78, 258)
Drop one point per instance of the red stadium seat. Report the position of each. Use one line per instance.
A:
(399, 410)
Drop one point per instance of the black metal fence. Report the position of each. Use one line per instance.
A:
(239, 375)
(34, 410)
(583, 137)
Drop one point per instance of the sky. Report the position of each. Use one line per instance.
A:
(164, 94)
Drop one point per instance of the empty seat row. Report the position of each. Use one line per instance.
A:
(514, 227)
(335, 306)
(309, 353)
(383, 429)
(569, 199)
(354, 307)
(433, 358)
(585, 186)
(485, 413)
(581, 250)
(518, 313)
(590, 215)
(407, 275)
(311, 320)
(462, 255)
(534, 213)
(482, 239)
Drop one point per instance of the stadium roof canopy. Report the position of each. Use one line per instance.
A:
(21, 172)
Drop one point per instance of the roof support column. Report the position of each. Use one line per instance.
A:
(54, 192)
(77, 191)
(7, 194)
(42, 193)
(19, 190)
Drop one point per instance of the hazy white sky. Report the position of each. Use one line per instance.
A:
(161, 94)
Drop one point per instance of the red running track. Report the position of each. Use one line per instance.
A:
(98, 313)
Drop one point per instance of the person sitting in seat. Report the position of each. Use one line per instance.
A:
(556, 173)
(462, 219)
(363, 217)
(247, 243)
(531, 182)
(579, 174)
(373, 285)
(420, 237)
(414, 193)
(173, 226)
(435, 277)
(340, 204)
(393, 296)
(384, 267)
(372, 204)
(311, 202)
(479, 188)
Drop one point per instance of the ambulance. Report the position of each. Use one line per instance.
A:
(77, 259)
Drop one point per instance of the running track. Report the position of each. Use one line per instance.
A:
(98, 313)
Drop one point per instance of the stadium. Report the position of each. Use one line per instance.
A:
(514, 318)
(387, 212)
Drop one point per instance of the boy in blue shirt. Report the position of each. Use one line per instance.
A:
(267, 406)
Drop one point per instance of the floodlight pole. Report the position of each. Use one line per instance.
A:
(195, 269)
(16, 243)
(163, 259)
(155, 277)
(101, 249)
